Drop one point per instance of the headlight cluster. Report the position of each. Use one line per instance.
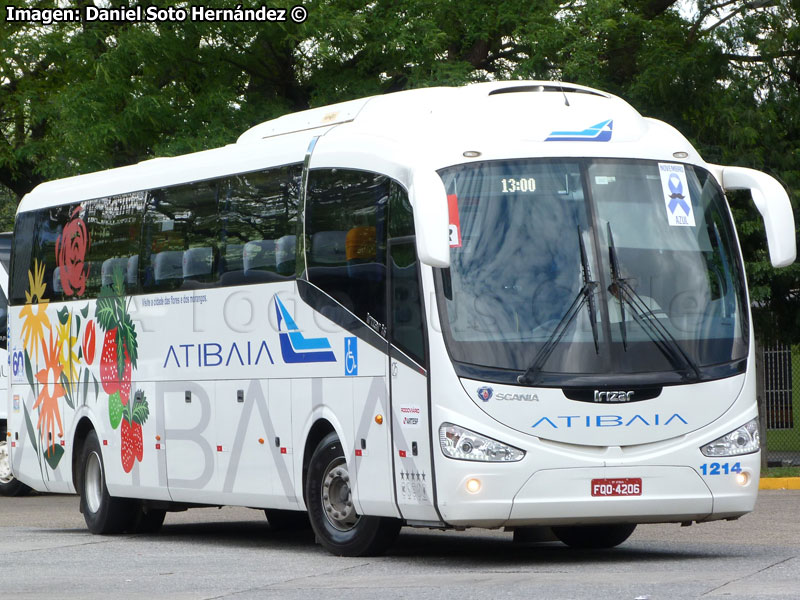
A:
(744, 440)
(461, 443)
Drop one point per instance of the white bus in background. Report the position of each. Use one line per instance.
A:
(9, 486)
(516, 304)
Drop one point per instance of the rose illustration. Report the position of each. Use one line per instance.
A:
(71, 247)
(89, 342)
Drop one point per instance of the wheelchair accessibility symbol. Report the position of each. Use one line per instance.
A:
(351, 356)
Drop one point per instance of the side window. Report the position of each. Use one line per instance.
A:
(115, 224)
(346, 240)
(406, 300)
(22, 256)
(57, 265)
(180, 248)
(258, 220)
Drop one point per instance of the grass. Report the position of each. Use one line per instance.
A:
(781, 472)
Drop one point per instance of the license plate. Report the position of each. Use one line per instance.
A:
(627, 486)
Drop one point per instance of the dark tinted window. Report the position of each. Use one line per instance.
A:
(22, 259)
(407, 309)
(240, 229)
(3, 321)
(258, 217)
(180, 238)
(5, 250)
(115, 224)
(51, 253)
(70, 251)
(346, 239)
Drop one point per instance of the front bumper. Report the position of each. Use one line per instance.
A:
(562, 496)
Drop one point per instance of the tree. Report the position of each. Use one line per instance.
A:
(82, 96)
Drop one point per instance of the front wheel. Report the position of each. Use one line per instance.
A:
(329, 499)
(102, 513)
(9, 486)
(594, 536)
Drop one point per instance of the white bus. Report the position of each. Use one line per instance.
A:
(512, 305)
(9, 486)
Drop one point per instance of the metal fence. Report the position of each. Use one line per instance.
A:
(780, 402)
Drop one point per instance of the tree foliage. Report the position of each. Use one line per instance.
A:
(77, 97)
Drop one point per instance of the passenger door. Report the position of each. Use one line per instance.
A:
(408, 374)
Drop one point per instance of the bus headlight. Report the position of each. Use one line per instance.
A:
(744, 440)
(458, 442)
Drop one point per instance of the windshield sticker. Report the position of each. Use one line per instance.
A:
(676, 195)
(455, 222)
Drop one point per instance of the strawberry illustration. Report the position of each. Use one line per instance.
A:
(119, 354)
(125, 381)
(128, 451)
(108, 363)
(115, 409)
(138, 445)
(135, 415)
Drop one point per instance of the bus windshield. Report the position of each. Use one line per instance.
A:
(580, 271)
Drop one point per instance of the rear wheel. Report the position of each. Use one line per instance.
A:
(102, 513)
(337, 525)
(594, 536)
(9, 486)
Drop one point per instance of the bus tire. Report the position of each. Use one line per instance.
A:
(103, 513)
(9, 486)
(147, 520)
(287, 520)
(594, 536)
(336, 524)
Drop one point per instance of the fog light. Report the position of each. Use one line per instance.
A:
(473, 486)
(742, 478)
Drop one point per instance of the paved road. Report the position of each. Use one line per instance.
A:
(231, 553)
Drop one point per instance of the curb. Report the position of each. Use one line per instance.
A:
(779, 483)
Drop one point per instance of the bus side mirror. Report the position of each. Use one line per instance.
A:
(773, 203)
(431, 218)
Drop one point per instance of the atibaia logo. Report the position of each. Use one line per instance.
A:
(601, 132)
(295, 347)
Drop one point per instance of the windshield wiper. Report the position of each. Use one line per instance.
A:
(645, 317)
(584, 296)
(615, 288)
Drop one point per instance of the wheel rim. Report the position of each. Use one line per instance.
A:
(337, 497)
(5, 464)
(93, 482)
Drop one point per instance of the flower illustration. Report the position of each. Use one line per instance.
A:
(67, 355)
(34, 313)
(89, 342)
(71, 247)
(51, 391)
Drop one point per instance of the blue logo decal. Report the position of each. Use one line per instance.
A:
(485, 393)
(351, 356)
(676, 193)
(296, 348)
(18, 363)
(587, 421)
(596, 133)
